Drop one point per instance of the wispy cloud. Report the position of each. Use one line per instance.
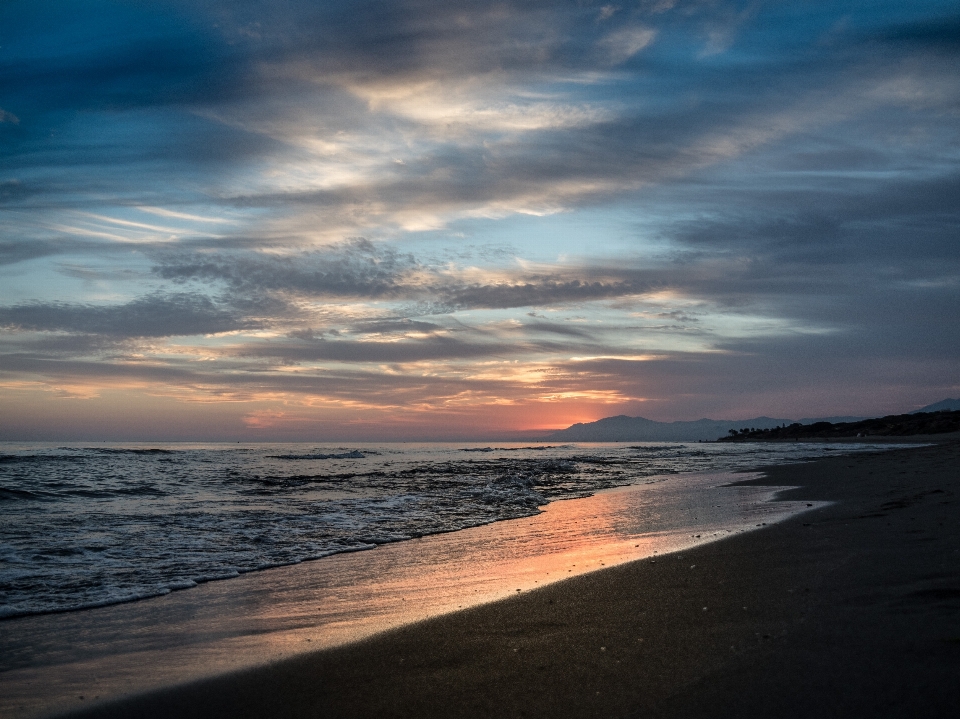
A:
(149, 316)
(626, 42)
(681, 194)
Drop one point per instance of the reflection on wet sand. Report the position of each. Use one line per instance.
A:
(270, 615)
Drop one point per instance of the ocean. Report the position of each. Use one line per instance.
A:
(88, 526)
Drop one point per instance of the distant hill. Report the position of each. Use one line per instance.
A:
(894, 425)
(639, 429)
(950, 405)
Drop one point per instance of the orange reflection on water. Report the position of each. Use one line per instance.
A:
(347, 597)
(269, 615)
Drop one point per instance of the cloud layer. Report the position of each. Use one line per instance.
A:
(501, 216)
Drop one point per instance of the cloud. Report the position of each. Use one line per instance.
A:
(12, 252)
(375, 271)
(157, 315)
(424, 349)
(13, 190)
(536, 292)
(723, 187)
(303, 113)
(56, 345)
(396, 326)
(554, 328)
(357, 268)
(624, 43)
(606, 12)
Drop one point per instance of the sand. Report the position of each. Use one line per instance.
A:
(851, 610)
(57, 662)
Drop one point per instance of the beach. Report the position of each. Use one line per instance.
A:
(55, 662)
(850, 609)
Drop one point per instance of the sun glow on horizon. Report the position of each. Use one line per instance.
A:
(519, 220)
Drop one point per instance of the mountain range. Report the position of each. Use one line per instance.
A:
(948, 405)
(639, 429)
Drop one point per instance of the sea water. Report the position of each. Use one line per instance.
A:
(86, 526)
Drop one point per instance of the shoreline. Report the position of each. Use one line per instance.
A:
(852, 609)
(171, 585)
(145, 584)
(263, 617)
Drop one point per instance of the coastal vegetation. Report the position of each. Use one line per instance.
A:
(896, 425)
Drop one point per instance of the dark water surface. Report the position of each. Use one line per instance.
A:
(90, 526)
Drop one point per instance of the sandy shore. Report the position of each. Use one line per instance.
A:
(849, 610)
(60, 662)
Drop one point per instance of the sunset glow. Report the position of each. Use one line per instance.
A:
(413, 221)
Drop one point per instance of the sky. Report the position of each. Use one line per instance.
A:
(416, 220)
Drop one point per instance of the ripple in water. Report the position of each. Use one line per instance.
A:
(90, 526)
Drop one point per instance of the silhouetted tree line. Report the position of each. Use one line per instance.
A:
(899, 425)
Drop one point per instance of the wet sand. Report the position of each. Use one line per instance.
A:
(57, 662)
(852, 610)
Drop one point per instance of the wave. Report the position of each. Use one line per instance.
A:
(126, 596)
(11, 495)
(38, 458)
(538, 448)
(114, 450)
(355, 454)
(79, 455)
(212, 514)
